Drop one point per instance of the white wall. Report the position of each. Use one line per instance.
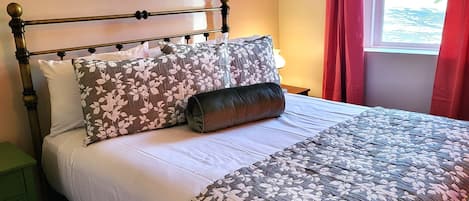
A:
(402, 81)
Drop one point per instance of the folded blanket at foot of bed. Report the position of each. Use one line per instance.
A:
(380, 154)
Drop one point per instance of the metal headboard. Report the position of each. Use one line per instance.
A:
(22, 54)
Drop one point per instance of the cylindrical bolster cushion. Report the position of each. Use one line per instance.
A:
(224, 108)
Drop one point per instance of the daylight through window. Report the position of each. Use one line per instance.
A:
(404, 24)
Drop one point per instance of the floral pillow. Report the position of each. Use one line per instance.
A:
(131, 96)
(252, 62)
(251, 59)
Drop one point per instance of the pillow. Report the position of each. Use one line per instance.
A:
(233, 40)
(251, 59)
(154, 52)
(66, 112)
(131, 96)
(224, 108)
(140, 51)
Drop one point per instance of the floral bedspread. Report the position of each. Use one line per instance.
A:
(381, 154)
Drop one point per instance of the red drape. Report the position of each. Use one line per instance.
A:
(451, 88)
(343, 78)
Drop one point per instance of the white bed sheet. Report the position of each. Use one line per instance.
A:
(176, 164)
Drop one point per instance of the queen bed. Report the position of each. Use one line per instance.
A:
(315, 150)
(176, 163)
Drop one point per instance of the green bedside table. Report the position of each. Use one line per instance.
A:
(17, 179)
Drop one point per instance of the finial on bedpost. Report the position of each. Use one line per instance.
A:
(224, 14)
(17, 28)
(29, 95)
(14, 10)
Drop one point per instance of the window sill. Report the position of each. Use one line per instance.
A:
(402, 51)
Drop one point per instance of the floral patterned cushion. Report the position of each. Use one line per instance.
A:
(130, 96)
(251, 59)
(252, 62)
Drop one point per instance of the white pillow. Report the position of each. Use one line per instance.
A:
(66, 110)
(154, 52)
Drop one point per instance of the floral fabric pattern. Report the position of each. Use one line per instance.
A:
(251, 61)
(131, 96)
(381, 154)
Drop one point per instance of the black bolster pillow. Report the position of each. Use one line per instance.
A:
(224, 108)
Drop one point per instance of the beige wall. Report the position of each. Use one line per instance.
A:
(247, 17)
(301, 39)
(255, 17)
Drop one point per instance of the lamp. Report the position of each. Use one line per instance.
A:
(279, 60)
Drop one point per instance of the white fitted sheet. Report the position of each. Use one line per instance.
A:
(176, 164)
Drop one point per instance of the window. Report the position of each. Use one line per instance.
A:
(404, 24)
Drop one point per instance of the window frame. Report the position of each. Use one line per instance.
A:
(373, 30)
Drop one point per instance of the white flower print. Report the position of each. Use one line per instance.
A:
(130, 96)
(373, 156)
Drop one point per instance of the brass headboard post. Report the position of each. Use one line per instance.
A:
(29, 95)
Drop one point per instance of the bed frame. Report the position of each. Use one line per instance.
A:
(22, 54)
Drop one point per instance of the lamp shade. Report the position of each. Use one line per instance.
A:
(279, 60)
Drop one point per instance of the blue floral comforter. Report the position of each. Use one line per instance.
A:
(381, 154)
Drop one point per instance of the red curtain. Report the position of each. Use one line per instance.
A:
(451, 89)
(343, 78)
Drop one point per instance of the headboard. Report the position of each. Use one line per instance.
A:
(18, 26)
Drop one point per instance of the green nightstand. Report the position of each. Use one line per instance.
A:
(17, 179)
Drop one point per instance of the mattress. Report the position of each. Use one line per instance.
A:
(175, 163)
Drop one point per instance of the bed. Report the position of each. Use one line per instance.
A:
(316, 150)
(183, 163)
